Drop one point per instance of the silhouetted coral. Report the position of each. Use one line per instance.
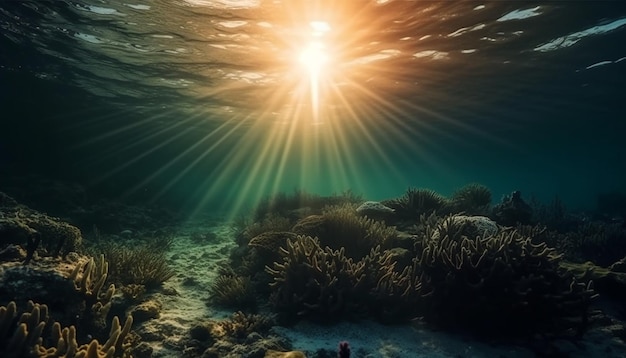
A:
(512, 210)
(418, 201)
(27, 338)
(501, 284)
(325, 285)
(471, 199)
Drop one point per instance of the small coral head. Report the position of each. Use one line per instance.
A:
(344, 350)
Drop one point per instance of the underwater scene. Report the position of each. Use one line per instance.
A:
(312, 178)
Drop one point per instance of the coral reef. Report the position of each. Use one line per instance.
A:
(499, 284)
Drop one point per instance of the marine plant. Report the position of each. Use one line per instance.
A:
(471, 199)
(418, 201)
(137, 265)
(233, 291)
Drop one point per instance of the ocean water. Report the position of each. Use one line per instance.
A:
(148, 128)
(208, 104)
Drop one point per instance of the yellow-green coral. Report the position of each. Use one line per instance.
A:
(26, 338)
(89, 279)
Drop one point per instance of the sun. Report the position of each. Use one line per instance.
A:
(314, 58)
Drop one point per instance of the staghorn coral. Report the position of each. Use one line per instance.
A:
(418, 201)
(89, 279)
(471, 199)
(341, 227)
(26, 338)
(325, 285)
(499, 284)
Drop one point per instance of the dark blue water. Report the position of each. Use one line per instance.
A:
(204, 104)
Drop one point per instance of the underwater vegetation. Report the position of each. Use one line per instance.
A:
(418, 201)
(233, 291)
(143, 265)
(458, 263)
(471, 199)
(64, 289)
(462, 265)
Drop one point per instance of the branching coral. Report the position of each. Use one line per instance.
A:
(498, 284)
(89, 280)
(325, 285)
(341, 227)
(24, 338)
